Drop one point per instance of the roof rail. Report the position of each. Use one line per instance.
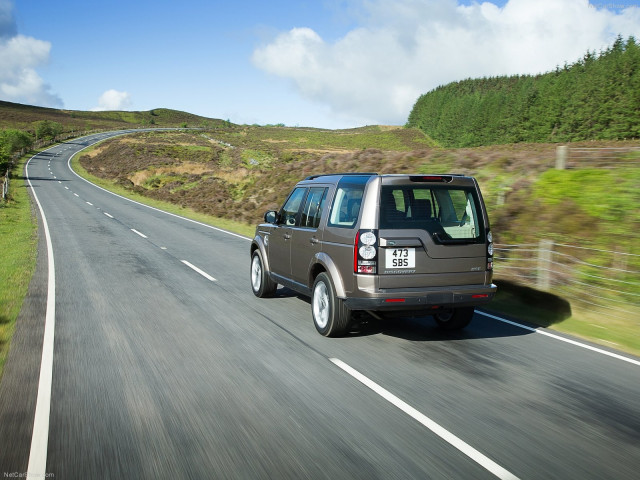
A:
(311, 177)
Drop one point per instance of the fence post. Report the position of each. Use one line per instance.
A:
(545, 251)
(561, 157)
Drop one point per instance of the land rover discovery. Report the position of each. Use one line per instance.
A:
(378, 243)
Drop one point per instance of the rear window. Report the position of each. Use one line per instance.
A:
(449, 214)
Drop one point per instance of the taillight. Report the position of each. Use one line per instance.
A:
(489, 251)
(365, 252)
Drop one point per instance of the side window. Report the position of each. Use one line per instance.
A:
(289, 211)
(313, 206)
(346, 206)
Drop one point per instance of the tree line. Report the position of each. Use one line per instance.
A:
(13, 141)
(595, 98)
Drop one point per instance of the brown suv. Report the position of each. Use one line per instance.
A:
(379, 243)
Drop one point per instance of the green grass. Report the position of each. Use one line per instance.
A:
(18, 244)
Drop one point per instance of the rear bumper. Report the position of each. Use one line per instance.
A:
(431, 298)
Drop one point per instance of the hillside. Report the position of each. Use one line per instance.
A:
(23, 117)
(240, 172)
(596, 98)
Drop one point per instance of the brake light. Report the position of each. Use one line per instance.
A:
(365, 252)
(431, 178)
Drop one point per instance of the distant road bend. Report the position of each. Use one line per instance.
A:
(141, 352)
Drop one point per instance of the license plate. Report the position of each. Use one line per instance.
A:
(400, 258)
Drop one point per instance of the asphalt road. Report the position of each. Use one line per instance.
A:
(162, 371)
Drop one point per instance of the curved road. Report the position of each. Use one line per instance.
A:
(164, 365)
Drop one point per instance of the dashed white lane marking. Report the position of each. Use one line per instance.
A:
(138, 233)
(76, 195)
(443, 433)
(66, 188)
(204, 274)
(89, 203)
(563, 339)
(108, 215)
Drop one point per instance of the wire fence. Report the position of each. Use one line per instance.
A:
(606, 280)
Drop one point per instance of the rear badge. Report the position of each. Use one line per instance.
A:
(396, 272)
(476, 269)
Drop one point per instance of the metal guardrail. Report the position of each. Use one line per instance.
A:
(605, 280)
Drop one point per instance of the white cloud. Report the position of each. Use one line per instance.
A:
(405, 48)
(19, 57)
(113, 100)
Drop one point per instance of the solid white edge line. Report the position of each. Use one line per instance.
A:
(138, 233)
(40, 436)
(563, 339)
(443, 433)
(201, 272)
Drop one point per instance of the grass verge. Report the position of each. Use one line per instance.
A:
(18, 244)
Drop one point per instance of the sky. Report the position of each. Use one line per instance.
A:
(326, 63)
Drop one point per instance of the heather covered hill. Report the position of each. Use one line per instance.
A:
(240, 172)
(24, 117)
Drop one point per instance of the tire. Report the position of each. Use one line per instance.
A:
(330, 315)
(455, 319)
(261, 284)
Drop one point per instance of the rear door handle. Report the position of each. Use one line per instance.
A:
(314, 240)
(287, 236)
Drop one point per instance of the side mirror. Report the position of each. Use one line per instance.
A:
(271, 217)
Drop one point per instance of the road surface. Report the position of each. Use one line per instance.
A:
(163, 364)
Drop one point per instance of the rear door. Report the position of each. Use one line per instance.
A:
(432, 232)
(280, 238)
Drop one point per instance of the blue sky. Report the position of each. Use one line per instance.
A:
(331, 64)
